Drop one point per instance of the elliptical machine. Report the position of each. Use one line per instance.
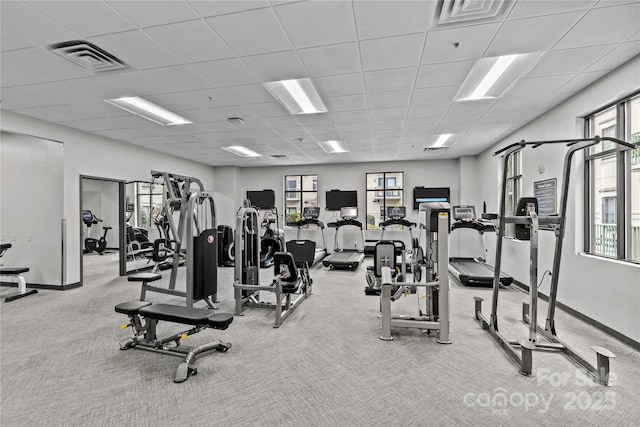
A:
(91, 244)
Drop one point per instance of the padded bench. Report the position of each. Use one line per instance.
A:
(16, 273)
(145, 331)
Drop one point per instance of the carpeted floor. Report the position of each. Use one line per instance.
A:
(325, 366)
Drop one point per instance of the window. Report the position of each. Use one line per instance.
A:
(612, 193)
(149, 205)
(383, 189)
(514, 189)
(300, 191)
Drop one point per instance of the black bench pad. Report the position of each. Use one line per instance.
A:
(186, 315)
(13, 270)
(144, 277)
(131, 307)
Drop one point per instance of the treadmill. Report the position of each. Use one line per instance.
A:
(348, 259)
(473, 271)
(310, 216)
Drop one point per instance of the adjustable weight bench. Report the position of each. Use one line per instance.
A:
(144, 331)
(15, 273)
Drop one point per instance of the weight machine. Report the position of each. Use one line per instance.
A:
(528, 224)
(192, 240)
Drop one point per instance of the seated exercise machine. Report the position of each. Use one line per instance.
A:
(528, 224)
(291, 270)
(272, 240)
(15, 273)
(435, 315)
(226, 251)
(91, 244)
(345, 258)
(143, 320)
(473, 271)
(192, 241)
(310, 216)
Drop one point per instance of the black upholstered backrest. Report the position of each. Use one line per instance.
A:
(285, 266)
(384, 255)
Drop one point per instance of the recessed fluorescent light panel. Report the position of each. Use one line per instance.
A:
(148, 110)
(493, 77)
(241, 151)
(297, 96)
(332, 147)
(442, 139)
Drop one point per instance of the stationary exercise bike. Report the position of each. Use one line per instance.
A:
(91, 244)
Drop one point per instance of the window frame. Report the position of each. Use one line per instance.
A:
(383, 193)
(301, 191)
(514, 175)
(623, 196)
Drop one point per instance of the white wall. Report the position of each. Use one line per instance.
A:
(606, 291)
(233, 183)
(31, 206)
(93, 155)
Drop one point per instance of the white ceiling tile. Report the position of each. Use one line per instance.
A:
(472, 42)
(625, 17)
(44, 63)
(552, 100)
(44, 113)
(449, 74)
(267, 109)
(314, 119)
(317, 23)
(616, 57)
(88, 110)
(12, 75)
(222, 7)
(191, 41)
(276, 66)
(225, 72)
(398, 98)
(421, 124)
(430, 110)
(94, 86)
(393, 113)
(164, 12)
(538, 85)
(388, 80)
(135, 83)
(434, 95)
(251, 33)
(390, 18)
(30, 26)
(382, 125)
(281, 122)
(343, 84)
(350, 116)
(106, 123)
(38, 95)
(353, 127)
(580, 81)
(330, 60)
(501, 117)
(530, 34)
(391, 52)
(531, 114)
(247, 94)
(524, 9)
(11, 43)
(346, 103)
(510, 102)
(567, 61)
(178, 78)
(136, 49)
(321, 129)
(454, 129)
(466, 112)
(86, 18)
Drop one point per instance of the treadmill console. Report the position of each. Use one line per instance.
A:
(348, 213)
(396, 212)
(311, 213)
(464, 213)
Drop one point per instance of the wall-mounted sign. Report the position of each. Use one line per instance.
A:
(546, 193)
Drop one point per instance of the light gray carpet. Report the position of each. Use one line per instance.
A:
(325, 366)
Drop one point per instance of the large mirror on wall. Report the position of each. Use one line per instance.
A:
(32, 209)
(143, 207)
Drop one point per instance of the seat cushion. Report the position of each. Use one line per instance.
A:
(131, 307)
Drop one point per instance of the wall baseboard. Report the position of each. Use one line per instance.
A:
(604, 328)
(44, 286)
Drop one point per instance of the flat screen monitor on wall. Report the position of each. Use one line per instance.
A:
(337, 199)
(429, 194)
(265, 199)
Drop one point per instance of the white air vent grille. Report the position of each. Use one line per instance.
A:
(462, 12)
(88, 56)
(429, 149)
(278, 156)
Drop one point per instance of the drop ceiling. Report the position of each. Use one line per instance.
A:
(388, 71)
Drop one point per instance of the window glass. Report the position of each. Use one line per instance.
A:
(383, 189)
(634, 137)
(300, 191)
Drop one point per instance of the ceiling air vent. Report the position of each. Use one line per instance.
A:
(462, 12)
(278, 156)
(430, 149)
(88, 56)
